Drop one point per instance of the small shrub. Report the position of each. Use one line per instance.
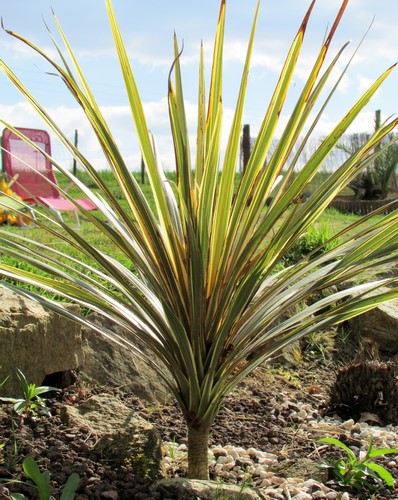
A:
(316, 241)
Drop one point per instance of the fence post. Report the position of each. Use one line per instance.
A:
(76, 141)
(245, 146)
(142, 171)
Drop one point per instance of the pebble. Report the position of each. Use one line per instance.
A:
(253, 453)
(218, 451)
(264, 473)
(302, 414)
(93, 479)
(348, 424)
(278, 480)
(302, 496)
(111, 494)
(238, 465)
(266, 461)
(228, 466)
(318, 494)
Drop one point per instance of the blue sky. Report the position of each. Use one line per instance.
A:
(148, 29)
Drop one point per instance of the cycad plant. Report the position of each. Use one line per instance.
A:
(206, 291)
(379, 177)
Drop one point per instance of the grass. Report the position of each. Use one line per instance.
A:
(331, 219)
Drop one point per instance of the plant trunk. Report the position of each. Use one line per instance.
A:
(198, 461)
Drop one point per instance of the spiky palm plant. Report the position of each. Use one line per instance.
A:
(208, 293)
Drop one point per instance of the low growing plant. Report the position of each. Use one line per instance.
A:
(360, 472)
(41, 481)
(321, 343)
(31, 401)
(4, 381)
(315, 241)
(220, 494)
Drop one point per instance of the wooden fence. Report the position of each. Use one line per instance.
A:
(363, 207)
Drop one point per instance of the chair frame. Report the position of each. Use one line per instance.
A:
(28, 180)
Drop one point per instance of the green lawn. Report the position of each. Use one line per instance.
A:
(331, 219)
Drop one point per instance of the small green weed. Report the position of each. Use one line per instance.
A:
(15, 457)
(4, 381)
(320, 343)
(174, 459)
(292, 378)
(220, 494)
(172, 449)
(41, 480)
(139, 463)
(360, 473)
(31, 402)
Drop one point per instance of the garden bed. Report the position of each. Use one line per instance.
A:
(347, 204)
(266, 412)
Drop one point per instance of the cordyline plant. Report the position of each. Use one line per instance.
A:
(208, 294)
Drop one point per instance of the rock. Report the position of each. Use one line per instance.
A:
(290, 355)
(348, 424)
(107, 363)
(304, 468)
(111, 494)
(123, 438)
(192, 489)
(37, 341)
(380, 324)
(302, 496)
(370, 418)
(44, 344)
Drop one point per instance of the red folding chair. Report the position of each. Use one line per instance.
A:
(33, 171)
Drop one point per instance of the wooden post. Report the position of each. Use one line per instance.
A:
(142, 171)
(377, 119)
(245, 146)
(74, 170)
(373, 170)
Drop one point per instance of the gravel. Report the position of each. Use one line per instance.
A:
(256, 468)
(265, 437)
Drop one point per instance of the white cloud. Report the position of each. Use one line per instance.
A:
(268, 55)
(363, 83)
(18, 50)
(151, 53)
